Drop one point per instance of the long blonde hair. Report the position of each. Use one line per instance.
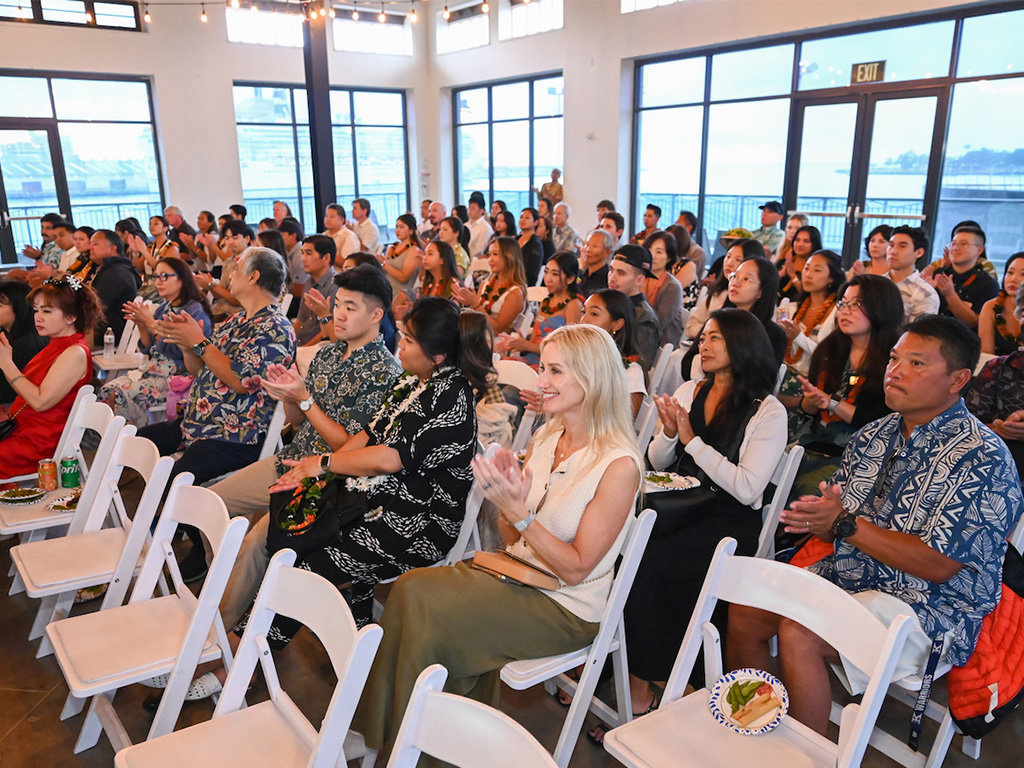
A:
(593, 359)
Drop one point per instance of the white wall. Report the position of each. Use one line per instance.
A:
(192, 68)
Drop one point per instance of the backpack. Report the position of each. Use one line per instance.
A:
(991, 684)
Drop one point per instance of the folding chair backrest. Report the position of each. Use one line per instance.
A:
(93, 417)
(632, 553)
(129, 340)
(660, 367)
(1016, 537)
(85, 395)
(474, 502)
(96, 499)
(782, 479)
(286, 303)
(780, 378)
(524, 431)
(272, 442)
(648, 419)
(515, 374)
(536, 293)
(316, 603)
(461, 731)
(89, 415)
(524, 324)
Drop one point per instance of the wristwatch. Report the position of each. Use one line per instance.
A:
(324, 320)
(832, 405)
(325, 462)
(305, 405)
(523, 524)
(198, 349)
(845, 525)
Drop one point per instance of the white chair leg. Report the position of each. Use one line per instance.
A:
(577, 712)
(17, 585)
(623, 700)
(72, 706)
(45, 648)
(43, 616)
(942, 741)
(971, 747)
(369, 759)
(92, 727)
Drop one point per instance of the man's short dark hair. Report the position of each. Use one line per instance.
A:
(616, 217)
(971, 229)
(113, 238)
(363, 203)
(53, 219)
(338, 209)
(239, 210)
(64, 224)
(369, 281)
(690, 219)
(290, 226)
(238, 227)
(960, 345)
(478, 198)
(606, 204)
(323, 244)
(656, 209)
(916, 234)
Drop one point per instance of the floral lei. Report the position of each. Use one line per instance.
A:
(805, 307)
(998, 310)
(546, 309)
(486, 300)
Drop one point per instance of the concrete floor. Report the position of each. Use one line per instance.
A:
(32, 693)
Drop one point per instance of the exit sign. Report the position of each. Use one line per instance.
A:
(868, 72)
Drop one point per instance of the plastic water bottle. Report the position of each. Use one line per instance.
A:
(108, 343)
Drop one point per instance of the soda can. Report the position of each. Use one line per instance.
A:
(70, 477)
(48, 474)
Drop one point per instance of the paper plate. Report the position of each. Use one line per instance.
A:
(721, 708)
(668, 481)
(67, 503)
(21, 495)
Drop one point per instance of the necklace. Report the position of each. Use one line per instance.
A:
(999, 317)
(486, 299)
(805, 307)
(546, 309)
(563, 453)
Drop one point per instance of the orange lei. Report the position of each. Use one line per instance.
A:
(793, 355)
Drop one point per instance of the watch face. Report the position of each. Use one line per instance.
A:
(847, 526)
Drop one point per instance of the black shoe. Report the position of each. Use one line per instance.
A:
(193, 567)
(152, 702)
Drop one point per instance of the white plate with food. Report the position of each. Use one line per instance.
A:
(21, 495)
(654, 482)
(749, 701)
(67, 503)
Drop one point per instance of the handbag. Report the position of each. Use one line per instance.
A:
(505, 566)
(313, 515)
(7, 426)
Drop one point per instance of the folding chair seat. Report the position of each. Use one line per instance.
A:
(275, 732)
(102, 652)
(682, 731)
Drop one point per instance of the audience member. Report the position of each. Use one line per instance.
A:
(664, 291)
(843, 390)
(754, 287)
(228, 413)
(46, 388)
(813, 318)
(504, 226)
(179, 227)
(367, 232)
(64, 237)
(133, 394)
(461, 212)
(115, 282)
(629, 270)
(239, 211)
(613, 223)
(497, 207)
(345, 240)
(282, 211)
(651, 217)
(597, 251)
(265, 225)
(435, 215)
(199, 255)
(876, 246)
(83, 267)
(793, 223)
(689, 253)
(806, 241)
(585, 466)
(907, 245)
(293, 236)
(963, 284)
(480, 229)
(49, 254)
(238, 239)
(552, 190)
(271, 238)
(17, 327)
(718, 291)
(565, 237)
(530, 245)
(917, 518)
(998, 324)
(403, 259)
(971, 225)
(438, 276)
(146, 255)
(317, 308)
(502, 296)
(603, 207)
(545, 208)
(455, 235)
(768, 234)
(613, 312)
(546, 234)
(424, 224)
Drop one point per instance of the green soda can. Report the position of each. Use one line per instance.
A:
(70, 476)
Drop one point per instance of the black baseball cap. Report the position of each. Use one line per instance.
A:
(774, 206)
(636, 256)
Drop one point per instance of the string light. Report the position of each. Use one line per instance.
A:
(235, 3)
(253, 8)
(485, 8)
(146, 16)
(88, 16)
(355, 15)
(202, 16)
(331, 13)
(382, 18)
(446, 13)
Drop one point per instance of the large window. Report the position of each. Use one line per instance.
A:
(250, 25)
(519, 18)
(508, 138)
(722, 131)
(103, 158)
(110, 14)
(369, 150)
(467, 26)
(368, 34)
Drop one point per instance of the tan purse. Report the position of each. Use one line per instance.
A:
(506, 567)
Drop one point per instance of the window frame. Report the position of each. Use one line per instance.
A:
(531, 119)
(944, 82)
(37, 17)
(352, 125)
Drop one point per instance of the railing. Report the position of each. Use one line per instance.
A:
(386, 207)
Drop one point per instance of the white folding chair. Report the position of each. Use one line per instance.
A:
(782, 478)
(33, 521)
(102, 652)
(682, 731)
(517, 374)
(460, 731)
(126, 356)
(611, 638)
(479, 265)
(53, 570)
(660, 367)
(779, 379)
(536, 293)
(647, 418)
(86, 394)
(286, 303)
(524, 323)
(275, 731)
(272, 442)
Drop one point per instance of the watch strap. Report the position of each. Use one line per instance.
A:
(325, 462)
(522, 525)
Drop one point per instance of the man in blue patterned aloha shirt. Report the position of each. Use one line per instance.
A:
(918, 515)
(342, 392)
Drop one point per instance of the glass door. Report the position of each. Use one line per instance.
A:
(865, 160)
(31, 184)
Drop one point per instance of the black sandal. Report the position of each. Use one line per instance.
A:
(596, 734)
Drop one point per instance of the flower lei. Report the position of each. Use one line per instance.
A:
(545, 305)
(805, 307)
(486, 300)
(999, 318)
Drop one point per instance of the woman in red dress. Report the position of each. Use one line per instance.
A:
(65, 310)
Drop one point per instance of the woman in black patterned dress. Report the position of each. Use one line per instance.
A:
(413, 460)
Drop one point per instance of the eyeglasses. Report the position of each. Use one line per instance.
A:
(748, 280)
(159, 277)
(854, 306)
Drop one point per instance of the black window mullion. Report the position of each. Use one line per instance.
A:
(705, 130)
(531, 171)
(490, 141)
(355, 158)
(298, 168)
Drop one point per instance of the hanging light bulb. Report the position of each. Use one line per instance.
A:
(146, 16)
(355, 15)
(235, 3)
(88, 16)
(412, 14)
(331, 13)
(446, 13)
(323, 13)
(382, 18)
(485, 8)
(253, 8)
(202, 16)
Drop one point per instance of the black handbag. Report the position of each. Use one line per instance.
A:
(313, 515)
(7, 426)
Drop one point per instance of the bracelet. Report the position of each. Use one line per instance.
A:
(19, 376)
(832, 405)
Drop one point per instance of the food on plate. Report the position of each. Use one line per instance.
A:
(659, 479)
(738, 232)
(756, 699)
(22, 493)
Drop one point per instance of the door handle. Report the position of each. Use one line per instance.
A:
(5, 220)
(856, 213)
